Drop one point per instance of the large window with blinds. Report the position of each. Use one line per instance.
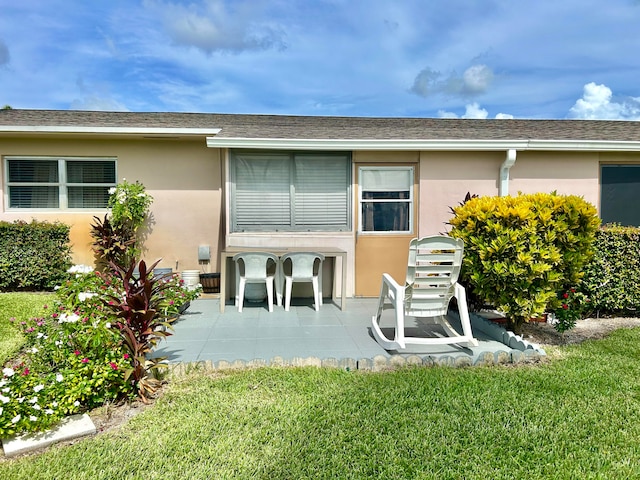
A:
(290, 191)
(46, 183)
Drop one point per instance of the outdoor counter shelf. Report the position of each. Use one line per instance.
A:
(334, 253)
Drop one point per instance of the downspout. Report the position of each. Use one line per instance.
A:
(503, 188)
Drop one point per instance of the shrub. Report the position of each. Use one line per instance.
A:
(520, 251)
(612, 277)
(72, 361)
(141, 322)
(33, 256)
(129, 204)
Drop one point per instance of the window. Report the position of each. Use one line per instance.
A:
(386, 199)
(620, 194)
(289, 191)
(58, 183)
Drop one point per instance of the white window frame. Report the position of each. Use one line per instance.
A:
(409, 200)
(289, 225)
(62, 182)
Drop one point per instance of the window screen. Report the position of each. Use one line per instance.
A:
(620, 194)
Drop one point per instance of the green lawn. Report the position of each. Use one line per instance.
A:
(20, 306)
(576, 416)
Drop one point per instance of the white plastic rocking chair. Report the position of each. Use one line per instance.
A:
(432, 275)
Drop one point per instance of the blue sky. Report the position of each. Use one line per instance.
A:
(386, 58)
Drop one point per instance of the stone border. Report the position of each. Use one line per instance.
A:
(69, 428)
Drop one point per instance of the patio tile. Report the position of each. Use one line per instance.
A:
(206, 334)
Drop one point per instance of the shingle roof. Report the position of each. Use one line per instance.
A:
(317, 127)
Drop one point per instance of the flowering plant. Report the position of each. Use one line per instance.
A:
(176, 294)
(72, 361)
(129, 204)
(572, 306)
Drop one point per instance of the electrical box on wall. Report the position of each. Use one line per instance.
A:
(204, 253)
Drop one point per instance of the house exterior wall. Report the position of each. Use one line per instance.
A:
(567, 173)
(184, 178)
(445, 179)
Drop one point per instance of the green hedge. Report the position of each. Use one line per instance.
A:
(612, 278)
(33, 256)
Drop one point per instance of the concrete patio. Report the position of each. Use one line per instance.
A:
(330, 337)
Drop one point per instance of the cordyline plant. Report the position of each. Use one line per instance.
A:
(111, 242)
(141, 323)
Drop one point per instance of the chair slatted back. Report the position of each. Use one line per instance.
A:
(433, 269)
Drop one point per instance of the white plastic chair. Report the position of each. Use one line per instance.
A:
(431, 282)
(256, 267)
(302, 267)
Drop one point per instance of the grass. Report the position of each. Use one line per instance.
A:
(572, 417)
(20, 306)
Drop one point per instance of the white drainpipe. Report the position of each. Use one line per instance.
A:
(503, 189)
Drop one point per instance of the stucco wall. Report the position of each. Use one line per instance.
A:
(445, 179)
(184, 177)
(566, 173)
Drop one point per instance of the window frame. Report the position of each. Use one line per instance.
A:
(291, 225)
(62, 184)
(409, 201)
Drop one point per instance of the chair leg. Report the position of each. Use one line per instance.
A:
(241, 285)
(288, 284)
(316, 294)
(270, 293)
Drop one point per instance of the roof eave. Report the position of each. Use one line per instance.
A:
(410, 144)
(92, 130)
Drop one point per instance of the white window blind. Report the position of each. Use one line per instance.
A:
(290, 191)
(59, 183)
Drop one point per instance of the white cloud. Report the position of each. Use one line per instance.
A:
(473, 111)
(213, 26)
(474, 81)
(596, 103)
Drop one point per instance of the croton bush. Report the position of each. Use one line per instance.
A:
(521, 251)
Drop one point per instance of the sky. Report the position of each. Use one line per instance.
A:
(548, 59)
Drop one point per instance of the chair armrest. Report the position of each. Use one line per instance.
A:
(393, 289)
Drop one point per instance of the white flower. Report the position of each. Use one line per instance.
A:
(37, 407)
(4, 399)
(48, 411)
(33, 418)
(57, 287)
(6, 390)
(54, 404)
(21, 399)
(82, 296)
(112, 190)
(16, 419)
(80, 269)
(59, 377)
(1, 410)
(8, 372)
(40, 335)
(34, 350)
(107, 325)
(3, 383)
(76, 403)
(37, 388)
(68, 318)
(34, 400)
(58, 342)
